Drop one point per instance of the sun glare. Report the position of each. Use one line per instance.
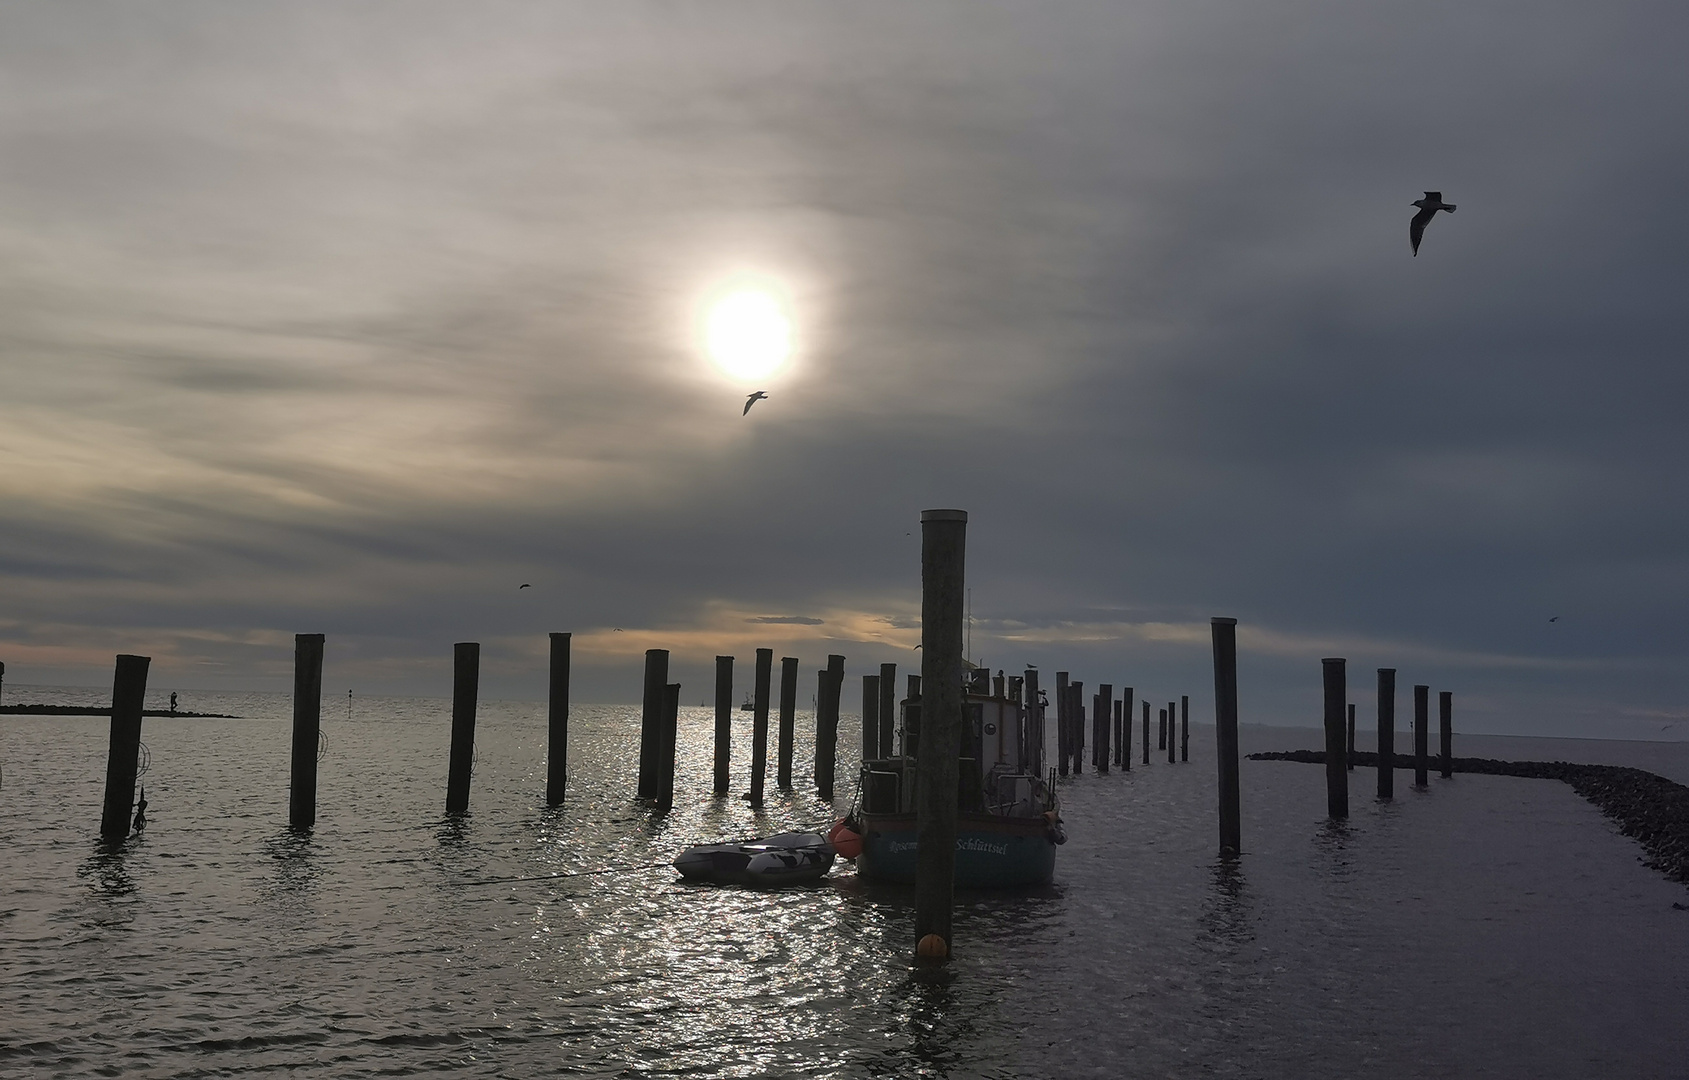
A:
(748, 334)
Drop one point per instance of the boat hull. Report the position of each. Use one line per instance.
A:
(991, 851)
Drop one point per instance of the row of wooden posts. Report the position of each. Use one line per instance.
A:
(659, 722)
(1113, 744)
(1340, 736)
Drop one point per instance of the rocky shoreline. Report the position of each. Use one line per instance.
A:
(1648, 808)
(96, 710)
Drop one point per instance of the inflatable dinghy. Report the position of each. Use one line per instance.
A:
(787, 859)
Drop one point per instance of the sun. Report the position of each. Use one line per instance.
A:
(748, 334)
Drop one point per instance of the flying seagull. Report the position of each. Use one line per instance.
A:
(519, 588)
(1554, 618)
(752, 400)
(1428, 208)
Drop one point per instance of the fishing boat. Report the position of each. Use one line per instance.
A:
(749, 705)
(1009, 824)
(786, 859)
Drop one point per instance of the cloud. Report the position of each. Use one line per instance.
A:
(319, 319)
(789, 620)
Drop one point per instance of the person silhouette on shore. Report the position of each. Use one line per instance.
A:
(141, 809)
(172, 701)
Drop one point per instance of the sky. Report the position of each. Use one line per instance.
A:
(351, 319)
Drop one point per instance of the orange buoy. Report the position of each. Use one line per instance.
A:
(845, 840)
(932, 947)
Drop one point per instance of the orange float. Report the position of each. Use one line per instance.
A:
(847, 842)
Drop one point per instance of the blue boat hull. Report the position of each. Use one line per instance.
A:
(991, 851)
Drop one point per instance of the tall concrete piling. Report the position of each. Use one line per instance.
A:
(1386, 733)
(653, 703)
(128, 698)
(759, 724)
(788, 719)
(943, 560)
(557, 727)
(870, 717)
(1224, 632)
(1445, 721)
(666, 751)
(1336, 763)
(1421, 735)
(307, 730)
(888, 710)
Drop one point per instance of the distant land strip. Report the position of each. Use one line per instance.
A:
(97, 710)
(1648, 808)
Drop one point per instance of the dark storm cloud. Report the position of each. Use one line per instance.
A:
(351, 320)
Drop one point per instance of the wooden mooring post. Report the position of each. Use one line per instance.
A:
(1126, 710)
(827, 725)
(1146, 731)
(128, 698)
(788, 719)
(1161, 729)
(759, 723)
(665, 754)
(1336, 764)
(1386, 733)
(888, 710)
(1351, 737)
(1034, 752)
(1445, 721)
(943, 561)
(870, 717)
(654, 701)
(1421, 736)
(1118, 756)
(307, 728)
(466, 682)
(557, 727)
(1076, 724)
(1172, 725)
(1062, 740)
(723, 724)
(1224, 632)
(1102, 707)
(1184, 727)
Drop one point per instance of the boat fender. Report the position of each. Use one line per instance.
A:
(847, 842)
(1053, 828)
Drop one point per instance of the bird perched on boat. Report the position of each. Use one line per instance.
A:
(752, 400)
(1428, 208)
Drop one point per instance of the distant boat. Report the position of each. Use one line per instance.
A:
(749, 705)
(1010, 822)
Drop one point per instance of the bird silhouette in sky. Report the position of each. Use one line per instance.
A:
(519, 588)
(752, 400)
(1428, 208)
(1554, 618)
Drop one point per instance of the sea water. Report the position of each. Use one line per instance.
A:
(1486, 926)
